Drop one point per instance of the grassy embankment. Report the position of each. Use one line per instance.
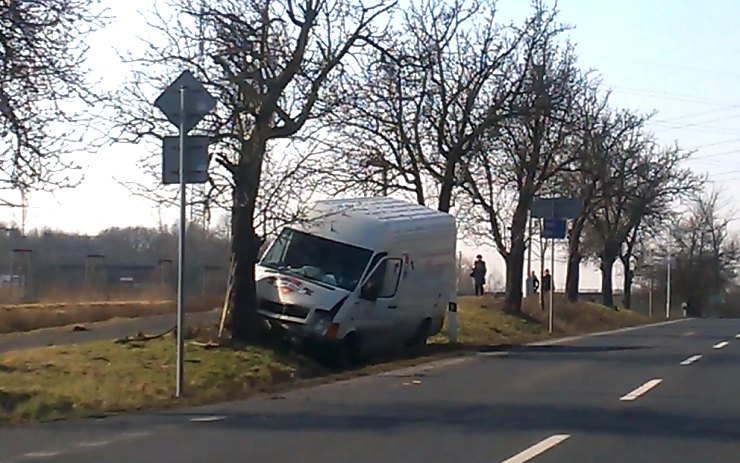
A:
(105, 376)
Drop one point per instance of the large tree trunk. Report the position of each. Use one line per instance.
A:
(246, 325)
(515, 258)
(573, 276)
(627, 283)
(445, 188)
(607, 265)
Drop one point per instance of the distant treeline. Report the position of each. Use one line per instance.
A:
(132, 257)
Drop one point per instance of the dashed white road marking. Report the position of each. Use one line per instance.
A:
(133, 434)
(40, 454)
(641, 390)
(207, 419)
(87, 445)
(691, 360)
(720, 345)
(537, 449)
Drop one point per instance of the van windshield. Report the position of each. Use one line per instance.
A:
(319, 259)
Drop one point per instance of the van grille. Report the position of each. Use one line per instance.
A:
(284, 309)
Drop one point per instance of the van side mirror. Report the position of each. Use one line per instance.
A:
(369, 292)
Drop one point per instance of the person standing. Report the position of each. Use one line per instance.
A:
(533, 284)
(546, 282)
(479, 274)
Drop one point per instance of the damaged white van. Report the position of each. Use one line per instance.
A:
(360, 276)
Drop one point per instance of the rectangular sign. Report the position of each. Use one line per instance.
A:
(554, 229)
(196, 159)
(556, 208)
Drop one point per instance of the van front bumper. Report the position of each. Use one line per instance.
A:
(302, 335)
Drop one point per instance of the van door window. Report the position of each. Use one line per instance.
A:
(391, 277)
(373, 263)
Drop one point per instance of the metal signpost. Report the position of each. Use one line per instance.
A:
(555, 212)
(185, 102)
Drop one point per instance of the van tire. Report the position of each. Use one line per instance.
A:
(347, 354)
(421, 335)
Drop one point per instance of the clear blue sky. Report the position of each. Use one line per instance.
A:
(678, 57)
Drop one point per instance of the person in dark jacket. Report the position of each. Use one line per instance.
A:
(546, 282)
(479, 274)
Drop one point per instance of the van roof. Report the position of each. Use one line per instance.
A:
(373, 221)
(380, 208)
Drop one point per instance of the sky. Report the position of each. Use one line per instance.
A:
(677, 57)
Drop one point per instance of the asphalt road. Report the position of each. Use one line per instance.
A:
(111, 329)
(640, 395)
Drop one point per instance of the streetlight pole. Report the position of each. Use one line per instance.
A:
(668, 281)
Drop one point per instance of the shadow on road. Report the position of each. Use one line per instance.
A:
(485, 419)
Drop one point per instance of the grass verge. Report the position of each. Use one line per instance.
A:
(105, 376)
(28, 317)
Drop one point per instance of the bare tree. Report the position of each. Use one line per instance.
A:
(704, 254)
(639, 183)
(43, 82)
(423, 97)
(521, 157)
(272, 64)
(604, 132)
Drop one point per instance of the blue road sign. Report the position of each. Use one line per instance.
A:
(556, 208)
(553, 229)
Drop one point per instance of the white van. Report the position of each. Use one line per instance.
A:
(364, 275)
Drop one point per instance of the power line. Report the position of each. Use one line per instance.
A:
(696, 114)
(700, 123)
(671, 96)
(714, 71)
(713, 155)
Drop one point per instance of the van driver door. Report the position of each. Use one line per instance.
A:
(382, 315)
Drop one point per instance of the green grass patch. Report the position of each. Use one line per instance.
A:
(101, 377)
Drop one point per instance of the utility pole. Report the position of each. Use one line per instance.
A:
(668, 283)
(650, 285)
(529, 251)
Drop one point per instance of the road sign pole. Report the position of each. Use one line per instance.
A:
(184, 111)
(552, 283)
(181, 253)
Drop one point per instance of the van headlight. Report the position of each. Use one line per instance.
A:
(321, 322)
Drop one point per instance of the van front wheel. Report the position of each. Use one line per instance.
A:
(422, 334)
(347, 354)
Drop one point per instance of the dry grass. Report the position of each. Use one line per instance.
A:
(105, 376)
(27, 317)
(76, 296)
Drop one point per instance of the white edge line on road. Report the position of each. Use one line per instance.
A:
(92, 444)
(691, 360)
(604, 333)
(40, 454)
(537, 449)
(640, 390)
(207, 419)
(720, 345)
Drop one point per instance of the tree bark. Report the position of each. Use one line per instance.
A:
(515, 258)
(246, 325)
(445, 188)
(607, 265)
(627, 284)
(573, 276)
